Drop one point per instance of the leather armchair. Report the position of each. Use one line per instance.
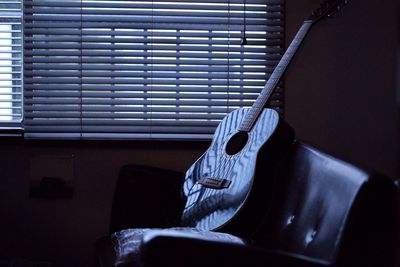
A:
(326, 212)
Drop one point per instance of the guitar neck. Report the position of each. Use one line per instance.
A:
(251, 117)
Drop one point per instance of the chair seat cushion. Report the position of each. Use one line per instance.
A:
(127, 243)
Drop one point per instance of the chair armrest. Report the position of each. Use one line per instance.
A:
(181, 249)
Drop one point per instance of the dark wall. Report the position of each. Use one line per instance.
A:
(341, 87)
(64, 230)
(340, 97)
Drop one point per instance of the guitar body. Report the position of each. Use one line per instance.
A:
(231, 184)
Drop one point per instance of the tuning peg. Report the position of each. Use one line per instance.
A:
(338, 11)
(345, 2)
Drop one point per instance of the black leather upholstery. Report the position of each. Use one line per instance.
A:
(178, 250)
(326, 212)
(319, 198)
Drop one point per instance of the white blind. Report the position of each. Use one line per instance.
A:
(10, 64)
(145, 69)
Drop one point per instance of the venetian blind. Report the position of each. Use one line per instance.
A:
(10, 65)
(145, 69)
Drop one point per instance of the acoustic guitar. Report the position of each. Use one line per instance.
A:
(229, 188)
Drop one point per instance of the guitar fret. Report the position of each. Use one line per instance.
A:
(274, 79)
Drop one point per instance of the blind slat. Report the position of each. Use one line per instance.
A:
(270, 26)
(99, 13)
(141, 4)
(151, 19)
(140, 74)
(98, 60)
(129, 116)
(232, 48)
(46, 109)
(133, 67)
(133, 55)
(76, 101)
(123, 8)
(130, 88)
(154, 38)
(141, 81)
(138, 95)
(86, 34)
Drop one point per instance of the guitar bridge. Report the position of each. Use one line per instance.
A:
(215, 183)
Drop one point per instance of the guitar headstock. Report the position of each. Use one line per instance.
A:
(326, 9)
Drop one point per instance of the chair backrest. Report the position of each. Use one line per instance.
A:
(331, 210)
(146, 197)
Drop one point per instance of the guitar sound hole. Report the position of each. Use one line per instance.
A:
(236, 143)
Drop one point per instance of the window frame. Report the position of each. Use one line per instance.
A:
(13, 17)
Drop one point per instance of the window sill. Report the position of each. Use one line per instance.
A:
(10, 135)
(11, 132)
(154, 144)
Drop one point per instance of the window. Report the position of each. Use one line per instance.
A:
(10, 65)
(144, 69)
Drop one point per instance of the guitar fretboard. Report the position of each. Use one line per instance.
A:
(261, 101)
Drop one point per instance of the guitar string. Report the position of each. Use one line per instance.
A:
(294, 45)
(228, 87)
(225, 166)
(222, 169)
(234, 161)
(229, 165)
(206, 191)
(198, 195)
(201, 192)
(222, 163)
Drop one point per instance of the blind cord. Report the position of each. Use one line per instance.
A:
(244, 40)
(81, 76)
(229, 49)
